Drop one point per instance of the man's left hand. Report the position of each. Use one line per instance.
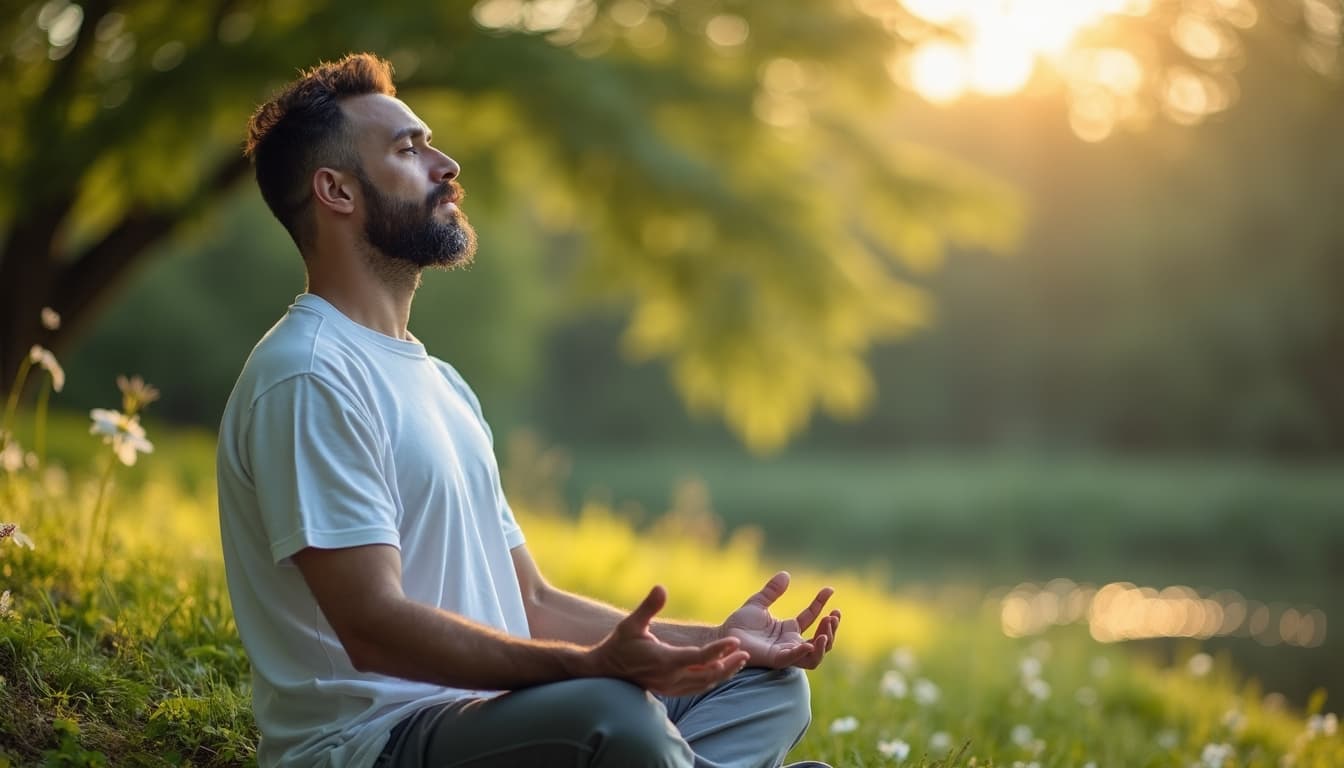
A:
(775, 643)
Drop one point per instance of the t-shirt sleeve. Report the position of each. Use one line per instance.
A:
(317, 464)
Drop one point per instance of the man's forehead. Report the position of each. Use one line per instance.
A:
(381, 116)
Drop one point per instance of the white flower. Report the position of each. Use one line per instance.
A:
(904, 659)
(50, 319)
(123, 432)
(1323, 725)
(1168, 739)
(1234, 720)
(6, 605)
(894, 750)
(11, 455)
(1200, 665)
(1021, 735)
(1020, 764)
(1039, 689)
(926, 692)
(1216, 755)
(846, 724)
(1090, 764)
(1030, 668)
(44, 358)
(893, 684)
(11, 531)
(940, 742)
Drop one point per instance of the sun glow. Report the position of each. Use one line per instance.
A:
(998, 43)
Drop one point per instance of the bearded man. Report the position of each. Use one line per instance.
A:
(381, 586)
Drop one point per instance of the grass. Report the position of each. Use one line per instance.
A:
(132, 659)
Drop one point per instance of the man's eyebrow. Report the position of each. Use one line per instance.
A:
(412, 132)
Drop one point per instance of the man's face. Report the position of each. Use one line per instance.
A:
(409, 188)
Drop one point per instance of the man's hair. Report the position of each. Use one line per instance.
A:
(302, 128)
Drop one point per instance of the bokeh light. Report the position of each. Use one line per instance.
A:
(1123, 611)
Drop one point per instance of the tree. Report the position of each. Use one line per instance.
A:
(724, 235)
(746, 209)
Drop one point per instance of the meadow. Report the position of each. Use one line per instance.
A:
(117, 645)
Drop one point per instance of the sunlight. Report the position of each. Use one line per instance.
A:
(1000, 42)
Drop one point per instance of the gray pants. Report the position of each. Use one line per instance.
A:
(749, 721)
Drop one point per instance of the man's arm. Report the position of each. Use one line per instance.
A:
(359, 591)
(555, 614)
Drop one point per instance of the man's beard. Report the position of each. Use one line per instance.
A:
(410, 233)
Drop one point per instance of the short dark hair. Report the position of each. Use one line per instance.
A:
(302, 128)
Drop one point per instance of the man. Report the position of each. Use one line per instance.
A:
(381, 586)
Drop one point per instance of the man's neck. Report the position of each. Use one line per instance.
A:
(374, 297)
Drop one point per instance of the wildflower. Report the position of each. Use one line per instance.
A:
(11, 531)
(135, 394)
(1322, 725)
(50, 319)
(894, 750)
(847, 724)
(11, 454)
(926, 692)
(893, 684)
(1216, 755)
(1039, 689)
(940, 742)
(1090, 764)
(1030, 668)
(1085, 696)
(6, 605)
(1020, 764)
(1200, 665)
(1021, 735)
(123, 432)
(43, 357)
(1234, 720)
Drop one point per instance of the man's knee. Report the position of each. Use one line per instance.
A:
(629, 727)
(794, 690)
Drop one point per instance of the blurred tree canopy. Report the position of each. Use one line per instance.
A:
(721, 172)
(759, 262)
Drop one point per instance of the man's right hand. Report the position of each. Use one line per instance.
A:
(632, 653)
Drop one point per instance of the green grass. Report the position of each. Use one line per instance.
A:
(132, 658)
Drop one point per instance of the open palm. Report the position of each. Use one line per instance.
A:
(776, 643)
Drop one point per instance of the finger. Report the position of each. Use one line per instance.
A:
(639, 619)
(700, 678)
(771, 591)
(678, 657)
(805, 655)
(812, 611)
(825, 636)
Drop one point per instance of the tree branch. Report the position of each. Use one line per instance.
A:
(83, 284)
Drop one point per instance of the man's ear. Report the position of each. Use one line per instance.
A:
(334, 190)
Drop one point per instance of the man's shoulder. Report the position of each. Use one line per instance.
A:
(301, 344)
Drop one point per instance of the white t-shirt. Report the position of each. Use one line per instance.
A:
(338, 436)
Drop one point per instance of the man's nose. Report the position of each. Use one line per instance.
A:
(447, 170)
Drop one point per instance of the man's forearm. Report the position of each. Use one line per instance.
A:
(554, 614)
(418, 642)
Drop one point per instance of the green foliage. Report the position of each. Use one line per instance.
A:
(731, 244)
